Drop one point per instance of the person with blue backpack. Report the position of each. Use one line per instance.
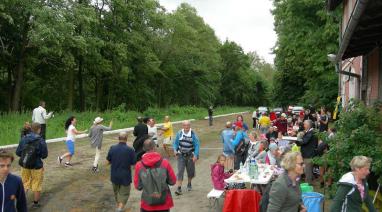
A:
(186, 149)
(31, 150)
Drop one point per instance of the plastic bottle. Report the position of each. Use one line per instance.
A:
(251, 169)
(241, 166)
(255, 170)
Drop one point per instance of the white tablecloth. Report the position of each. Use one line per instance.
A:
(265, 175)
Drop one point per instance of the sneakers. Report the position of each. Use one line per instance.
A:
(59, 160)
(189, 187)
(178, 191)
(67, 164)
(95, 169)
(36, 205)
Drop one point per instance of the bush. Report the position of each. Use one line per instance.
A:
(358, 133)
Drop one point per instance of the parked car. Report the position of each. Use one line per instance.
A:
(278, 110)
(262, 109)
(297, 109)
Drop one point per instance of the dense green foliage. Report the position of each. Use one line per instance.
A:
(358, 133)
(96, 55)
(306, 35)
(11, 123)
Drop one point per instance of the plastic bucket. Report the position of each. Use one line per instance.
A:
(312, 201)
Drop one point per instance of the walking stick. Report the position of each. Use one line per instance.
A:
(376, 193)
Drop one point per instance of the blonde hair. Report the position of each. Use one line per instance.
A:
(360, 162)
(289, 160)
(220, 156)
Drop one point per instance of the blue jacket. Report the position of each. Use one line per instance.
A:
(226, 137)
(121, 157)
(12, 195)
(195, 141)
(42, 150)
(241, 135)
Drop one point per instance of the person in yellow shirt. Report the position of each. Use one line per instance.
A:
(265, 123)
(168, 133)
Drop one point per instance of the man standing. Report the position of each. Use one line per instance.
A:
(308, 143)
(254, 118)
(210, 115)
(239, 144)
(152, 130)
(39, 116)
(228, 149)
(141, 134)
(153, 175)
(12, 195)
(121, 157)
(186, 149)
(31, 150)
(168, 133)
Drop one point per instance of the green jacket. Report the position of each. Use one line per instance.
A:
(284, 197)
(348, 198)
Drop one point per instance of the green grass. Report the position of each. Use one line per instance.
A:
(12, 123)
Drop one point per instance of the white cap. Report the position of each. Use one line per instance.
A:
(284, 115)
(98, 120)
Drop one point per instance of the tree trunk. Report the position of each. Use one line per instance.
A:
(70, 89)
(99, 92)
(80, 84)
(10, 90)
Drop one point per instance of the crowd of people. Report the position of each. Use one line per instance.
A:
(153, 173)
(265, 143)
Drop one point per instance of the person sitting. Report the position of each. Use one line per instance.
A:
(217, 173)
(270, 157)
(272, 133)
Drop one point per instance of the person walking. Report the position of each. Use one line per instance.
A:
(141, 133)
(167, 133)
(71, 131)
(39, 116)
(12, 195)
(352, 190)
(153, 175)
(186, 149)
(96, 137)
(226, 137)
(121, 157)
(31, 150)
(285, 194)
(210, 115)
(308, 144)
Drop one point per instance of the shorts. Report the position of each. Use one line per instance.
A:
(32, 179)
(70, 146)
(185, 162)
(121, 193)
(167, 141)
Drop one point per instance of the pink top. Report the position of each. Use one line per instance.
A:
(361, 189)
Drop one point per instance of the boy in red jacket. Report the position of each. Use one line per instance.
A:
(152, 162)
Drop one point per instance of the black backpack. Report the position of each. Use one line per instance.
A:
(154, 181)
(29, 155)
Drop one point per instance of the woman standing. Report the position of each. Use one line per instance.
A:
(96, 136)
(285, 194)
(70, 139)
(352, 189)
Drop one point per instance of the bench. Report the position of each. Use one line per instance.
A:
(213, 198)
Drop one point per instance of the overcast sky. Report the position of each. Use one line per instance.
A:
(247, 22)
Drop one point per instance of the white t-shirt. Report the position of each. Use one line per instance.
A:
(153, 132)
(71, 135)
